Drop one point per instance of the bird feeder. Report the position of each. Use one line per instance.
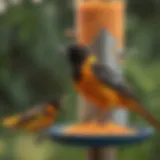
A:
(100, 25)
(104, 136)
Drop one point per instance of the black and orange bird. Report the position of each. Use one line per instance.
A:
(100, 85)
(37, 118)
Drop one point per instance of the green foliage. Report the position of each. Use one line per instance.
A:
(31, 68)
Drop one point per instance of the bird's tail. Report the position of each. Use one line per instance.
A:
(10, 122)
(139, 109)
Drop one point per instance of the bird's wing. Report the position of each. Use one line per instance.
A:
(108, 77)
(31, 114)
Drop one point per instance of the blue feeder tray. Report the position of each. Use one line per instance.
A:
(57, 134)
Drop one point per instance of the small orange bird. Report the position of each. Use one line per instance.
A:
(100, 85)
(37, 118)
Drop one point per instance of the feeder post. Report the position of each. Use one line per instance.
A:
(100, 25)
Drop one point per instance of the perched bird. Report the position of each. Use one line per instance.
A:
(37, 118)
(100, 85)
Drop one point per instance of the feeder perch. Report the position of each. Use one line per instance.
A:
(115, 135)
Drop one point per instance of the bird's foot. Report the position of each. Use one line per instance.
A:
(103, 117)
(101, 122)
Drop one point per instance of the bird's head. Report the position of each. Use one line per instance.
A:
(58, 101)
(55, 103)
(76, 53)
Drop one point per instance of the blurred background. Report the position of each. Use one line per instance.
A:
(31, 33)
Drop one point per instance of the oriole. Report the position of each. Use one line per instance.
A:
(100, 85)
(35, 119)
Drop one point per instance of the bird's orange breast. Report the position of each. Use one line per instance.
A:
(43, 121)
(39, 124)
(93, 90)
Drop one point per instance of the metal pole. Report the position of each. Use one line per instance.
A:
(109, 39)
